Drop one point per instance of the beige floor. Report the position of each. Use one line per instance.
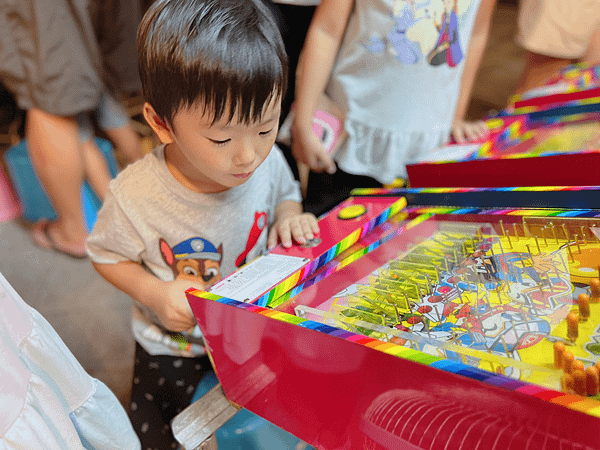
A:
(92, 317)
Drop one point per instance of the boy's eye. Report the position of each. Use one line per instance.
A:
(219, 142)
(264, 133)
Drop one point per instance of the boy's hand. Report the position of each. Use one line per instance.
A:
(464, 131)
(173, 309)
(301, 227)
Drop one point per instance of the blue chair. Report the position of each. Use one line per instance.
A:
(34, 201)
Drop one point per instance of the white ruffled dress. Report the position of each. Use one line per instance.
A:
(47, 400)
(397, 77)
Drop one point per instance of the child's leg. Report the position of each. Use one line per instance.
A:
(162, 387)
(114, 120)
(127, 141)
(97, 172)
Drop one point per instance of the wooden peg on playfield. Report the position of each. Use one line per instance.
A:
(595, 290)
(559, 350)
(579, 379)
(578, 365)
(584, 307)
(567, 383)
(568, 360)
(572, 326)
(592, 380)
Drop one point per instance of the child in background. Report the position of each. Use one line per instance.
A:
(216, 194)
(402, 71)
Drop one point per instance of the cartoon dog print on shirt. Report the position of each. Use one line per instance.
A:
(195, 259)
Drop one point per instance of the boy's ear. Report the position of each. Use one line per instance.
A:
(162, 130)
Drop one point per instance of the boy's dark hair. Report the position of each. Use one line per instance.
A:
(211, 53)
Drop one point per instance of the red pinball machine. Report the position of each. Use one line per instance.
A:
(436, 328)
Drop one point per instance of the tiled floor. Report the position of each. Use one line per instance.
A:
(92, 317)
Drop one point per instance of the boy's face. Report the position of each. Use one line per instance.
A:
(216, 157)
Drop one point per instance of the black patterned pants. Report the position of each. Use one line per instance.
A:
(162, 387)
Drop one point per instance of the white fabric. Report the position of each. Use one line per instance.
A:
(398, 102)
(47, 400)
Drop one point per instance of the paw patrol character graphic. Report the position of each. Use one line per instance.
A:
(195, 259)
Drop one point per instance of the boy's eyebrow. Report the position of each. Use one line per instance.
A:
(272, 118)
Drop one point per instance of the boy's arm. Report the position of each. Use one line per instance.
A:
(462, 130)
(291, 222)
(166, 299)
(318, 56)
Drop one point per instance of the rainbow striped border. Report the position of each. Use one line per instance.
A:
(444, 190)
(291, 281)
(344, 262)
(403, 191)
(549, 212)
(582, 404)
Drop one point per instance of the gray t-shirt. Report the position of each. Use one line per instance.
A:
(150, 218)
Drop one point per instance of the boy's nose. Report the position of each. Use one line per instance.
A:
(245, 155)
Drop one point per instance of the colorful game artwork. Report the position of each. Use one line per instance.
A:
(569, 137)
(493, 295)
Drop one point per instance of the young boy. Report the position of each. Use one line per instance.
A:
(214, 195)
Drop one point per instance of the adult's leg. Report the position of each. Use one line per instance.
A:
(95, 165)
(97, 172)
(116, 123)
(55, 153)
(127, 141)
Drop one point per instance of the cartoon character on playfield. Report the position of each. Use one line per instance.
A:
(195, 259)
